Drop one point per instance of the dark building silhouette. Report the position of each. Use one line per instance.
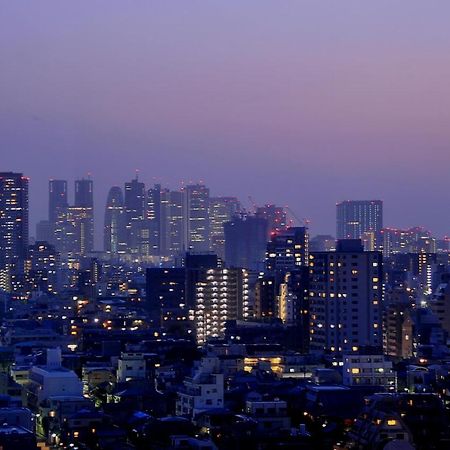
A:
(57, 199)
(245, 242)
(166, 295)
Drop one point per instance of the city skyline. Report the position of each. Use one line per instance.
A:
(248, 203)
(359, 103)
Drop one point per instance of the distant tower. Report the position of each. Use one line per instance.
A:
(80, 218)
(356, 219)
(197, 217)
(135, 213)
(57, 199)
(221, 210)
(114, 221)
(245, 242)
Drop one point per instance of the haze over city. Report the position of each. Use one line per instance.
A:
(294, 103)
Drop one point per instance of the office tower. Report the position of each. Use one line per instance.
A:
(287, 250)
(275, 215)
(13, 221)
(153, 215)
(245, 242)
(82, 216)
(221, 210)
(222, 296)
(114, 229)
(135, 214)
(354, 218)
(43, 267)
(346, 294)
(57, 199)
(412, 240)
(84, 193)
(166, 299)
(196, 198)
(173, 223)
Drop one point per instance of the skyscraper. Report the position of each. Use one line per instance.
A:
(57, 199)
(134, 213)
(172, 223)
(82, 215)
(346, 294)
(354, 218)
(84, 193)
(154, 218)
(13, 221)
(245, 242)
(197, 217)
(114, 228)
(221, 210)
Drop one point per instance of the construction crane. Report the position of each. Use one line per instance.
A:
(305, 221)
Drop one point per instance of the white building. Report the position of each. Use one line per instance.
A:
(224, 295)
(131, 366)
(205, 390)
(368, 370)
(270, 415)
(52, 380)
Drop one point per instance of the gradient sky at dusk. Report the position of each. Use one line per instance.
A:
(294, 102)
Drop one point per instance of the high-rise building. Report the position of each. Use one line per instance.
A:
(154, 218)
(13, 221)
(135, 214)
(114, 229)
(221, 210)
(57, 199)
(245, 242)
(84, 193)
(196, 198)
(223, 296)
(354, 218)
(288, 249)
(82, 215)
(346, 294)
(172, 223)
(166, 296)
(43, 266)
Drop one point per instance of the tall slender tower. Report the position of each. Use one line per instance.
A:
(82, 216)
(57, 199)
(114, 221)
(13, 221)
(135, 213)
(197, 215)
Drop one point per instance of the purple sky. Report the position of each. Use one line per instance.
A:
(295, 102)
